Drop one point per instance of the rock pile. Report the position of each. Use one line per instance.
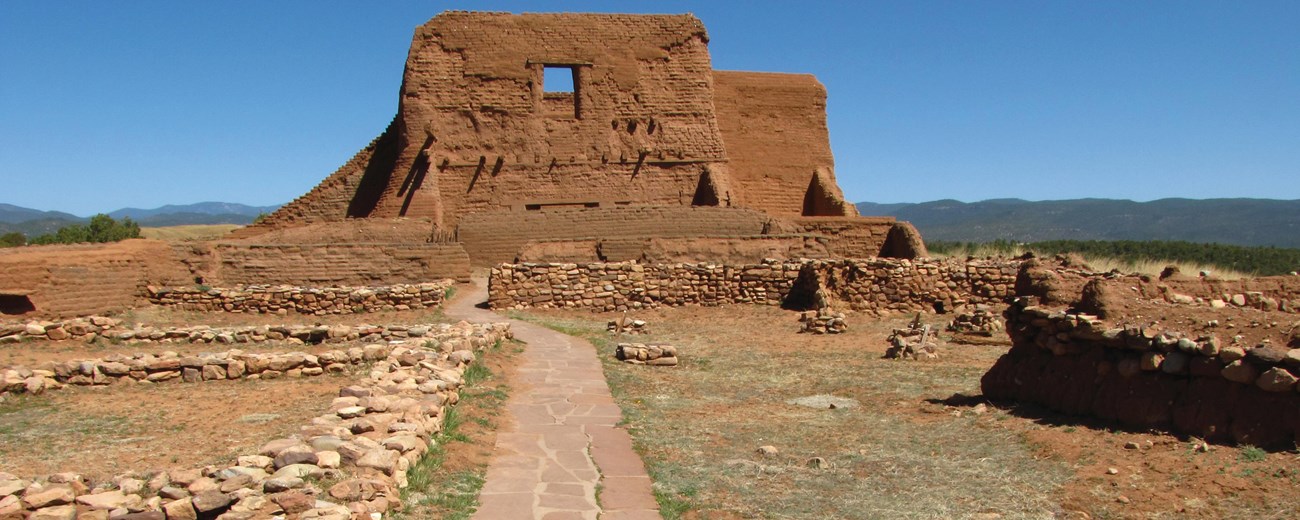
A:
(981, 321)
(1145, 377)
(916, 341)
(823, 321)
(283, 299)
(642, 354)
(373, 433)
(110, 329)
(623, 325)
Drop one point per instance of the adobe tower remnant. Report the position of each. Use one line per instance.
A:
(518, 129)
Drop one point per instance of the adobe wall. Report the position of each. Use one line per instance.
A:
(1143, 371)
(879, 285)
(777, 140)
(78, 280)
(479, 132)
(649, 122)
(337, 264)
(725, 250)
(498, 237)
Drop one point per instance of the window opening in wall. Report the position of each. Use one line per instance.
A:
(560, 90)
(557, 80)
(15, 304)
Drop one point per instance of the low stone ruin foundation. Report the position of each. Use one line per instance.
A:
(1146, 376)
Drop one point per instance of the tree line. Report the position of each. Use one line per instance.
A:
(1257, 260)
(101, 228)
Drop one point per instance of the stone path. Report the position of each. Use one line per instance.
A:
(558, 440)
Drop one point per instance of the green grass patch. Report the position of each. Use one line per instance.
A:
(433, 490)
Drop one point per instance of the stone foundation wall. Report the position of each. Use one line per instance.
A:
(363, 445)
(874, 285)
(305, 300)
(1217, 387)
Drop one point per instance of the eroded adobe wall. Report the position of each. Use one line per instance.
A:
(1145, 372)
(723, 250)
(498, 237)
(874, 285)
(858, 237)
(338, 264)
(777, 142)
(479, 133)
(79, 280)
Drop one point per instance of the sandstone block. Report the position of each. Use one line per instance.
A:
(1240, 371)
(1276, 379)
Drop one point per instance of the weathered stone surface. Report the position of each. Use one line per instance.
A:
(64, 512)
(54, 495)
(1276, 379)
(1241, 371)
(106, 500)
(209, 501)
(381, 459)
(293, 501)
(182, 509)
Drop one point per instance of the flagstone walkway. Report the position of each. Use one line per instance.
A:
(558, 439)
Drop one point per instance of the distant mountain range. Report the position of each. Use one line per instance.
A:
(1247, 222)
(34, 222)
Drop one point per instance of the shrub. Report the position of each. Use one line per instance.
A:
(13, 239)
(101, 228)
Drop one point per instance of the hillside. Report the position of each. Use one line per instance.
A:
(1247, 222)
(32, 222)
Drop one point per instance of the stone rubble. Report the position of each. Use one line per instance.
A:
(375, 430)
(981, 321)
(623, 325)
(917, 341)
(822, 321)
(642, 354)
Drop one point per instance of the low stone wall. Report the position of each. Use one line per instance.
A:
(282, 299)
(96, 327)
(371, 435)
(1217, 388)
(878, 285)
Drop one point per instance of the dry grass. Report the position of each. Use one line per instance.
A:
(1105, 264)
(916, 447)
(698, 425)
(190, 232)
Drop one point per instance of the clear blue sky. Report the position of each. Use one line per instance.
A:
(142, 103)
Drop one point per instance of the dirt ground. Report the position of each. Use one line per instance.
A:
(920, 442)
(104, 431)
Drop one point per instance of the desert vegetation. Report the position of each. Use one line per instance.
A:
(101, 228)
(1149, 256)
(904, 439)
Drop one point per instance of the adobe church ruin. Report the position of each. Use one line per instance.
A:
(643, 140)
(645, 153)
